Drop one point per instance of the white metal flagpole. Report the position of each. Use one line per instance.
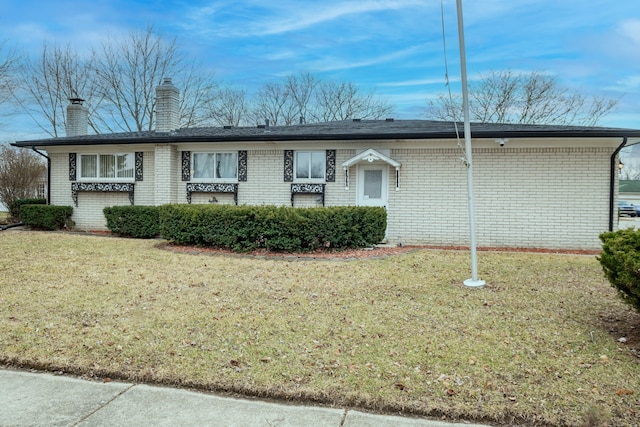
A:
(473, 281)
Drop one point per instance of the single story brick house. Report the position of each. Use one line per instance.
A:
(535, 186)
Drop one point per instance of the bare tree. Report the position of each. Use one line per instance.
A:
(118, 82)
(8, 63)
(228, 106)
(128, 71)
(197, 90)
(273, 102)
(49, 81)
(301, 89)
(631, 169)
(20, 173)
(306, 97)
(343, 101)
(526, 98)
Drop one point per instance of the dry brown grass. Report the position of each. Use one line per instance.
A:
(537, 346)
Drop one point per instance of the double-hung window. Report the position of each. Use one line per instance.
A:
(109, 167)
(310, 166)
(215, 166)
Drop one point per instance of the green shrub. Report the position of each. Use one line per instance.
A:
(46, 217)
(620, 260)
(224, 226)
(141, 222)
(284, 229)
(14, 207)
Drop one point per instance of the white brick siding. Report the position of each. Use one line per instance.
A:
(88, 214)
(166, 167)
(530, 197)
(430, 206)
(265, 180)
(547, 197)
(207, 198)
(60, 184)
(145, 189)
(167, 107)
(77, 120)
(336, 193)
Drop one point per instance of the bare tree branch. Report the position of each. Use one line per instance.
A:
(305, 96)
(49, 81)
(20, 174)
(118, 82)
(526, 98)
(301, 88)
(273, 102)
(128, 72)
(229, 107)
(197, 91)
(8, 64)
(343, 101)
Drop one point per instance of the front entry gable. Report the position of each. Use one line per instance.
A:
(369, 156)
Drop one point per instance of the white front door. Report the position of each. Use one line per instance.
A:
(373, 185)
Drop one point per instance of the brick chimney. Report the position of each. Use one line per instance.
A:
(167, 107)
(77, 118)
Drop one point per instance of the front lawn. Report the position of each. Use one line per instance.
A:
(537, 346)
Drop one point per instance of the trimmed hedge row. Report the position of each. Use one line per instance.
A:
(46, 217)
(285, 229)
(620, 260)
(141, 222)
(14, 207)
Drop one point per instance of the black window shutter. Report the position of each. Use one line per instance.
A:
(73, 166)
(331, 166)
(288, 165)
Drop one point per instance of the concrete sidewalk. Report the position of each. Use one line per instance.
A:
(41, 399)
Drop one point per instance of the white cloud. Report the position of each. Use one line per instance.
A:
(281, 55)
(334, 64)
(286, 16)
(630, 29)
(322, 13)
(627, 84)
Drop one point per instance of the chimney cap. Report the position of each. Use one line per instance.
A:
(76, 101)
(167, 81)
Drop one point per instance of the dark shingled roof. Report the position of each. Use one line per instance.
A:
(340, 130)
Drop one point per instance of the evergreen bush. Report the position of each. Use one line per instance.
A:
(14, 207)
(141, 222)
(620, 260)
(283, 229)
(46, 217)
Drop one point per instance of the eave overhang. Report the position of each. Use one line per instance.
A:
(337, 131)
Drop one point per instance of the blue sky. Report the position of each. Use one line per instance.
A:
(394, 47)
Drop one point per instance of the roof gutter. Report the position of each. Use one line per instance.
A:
(48, 173)
(613, 169)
